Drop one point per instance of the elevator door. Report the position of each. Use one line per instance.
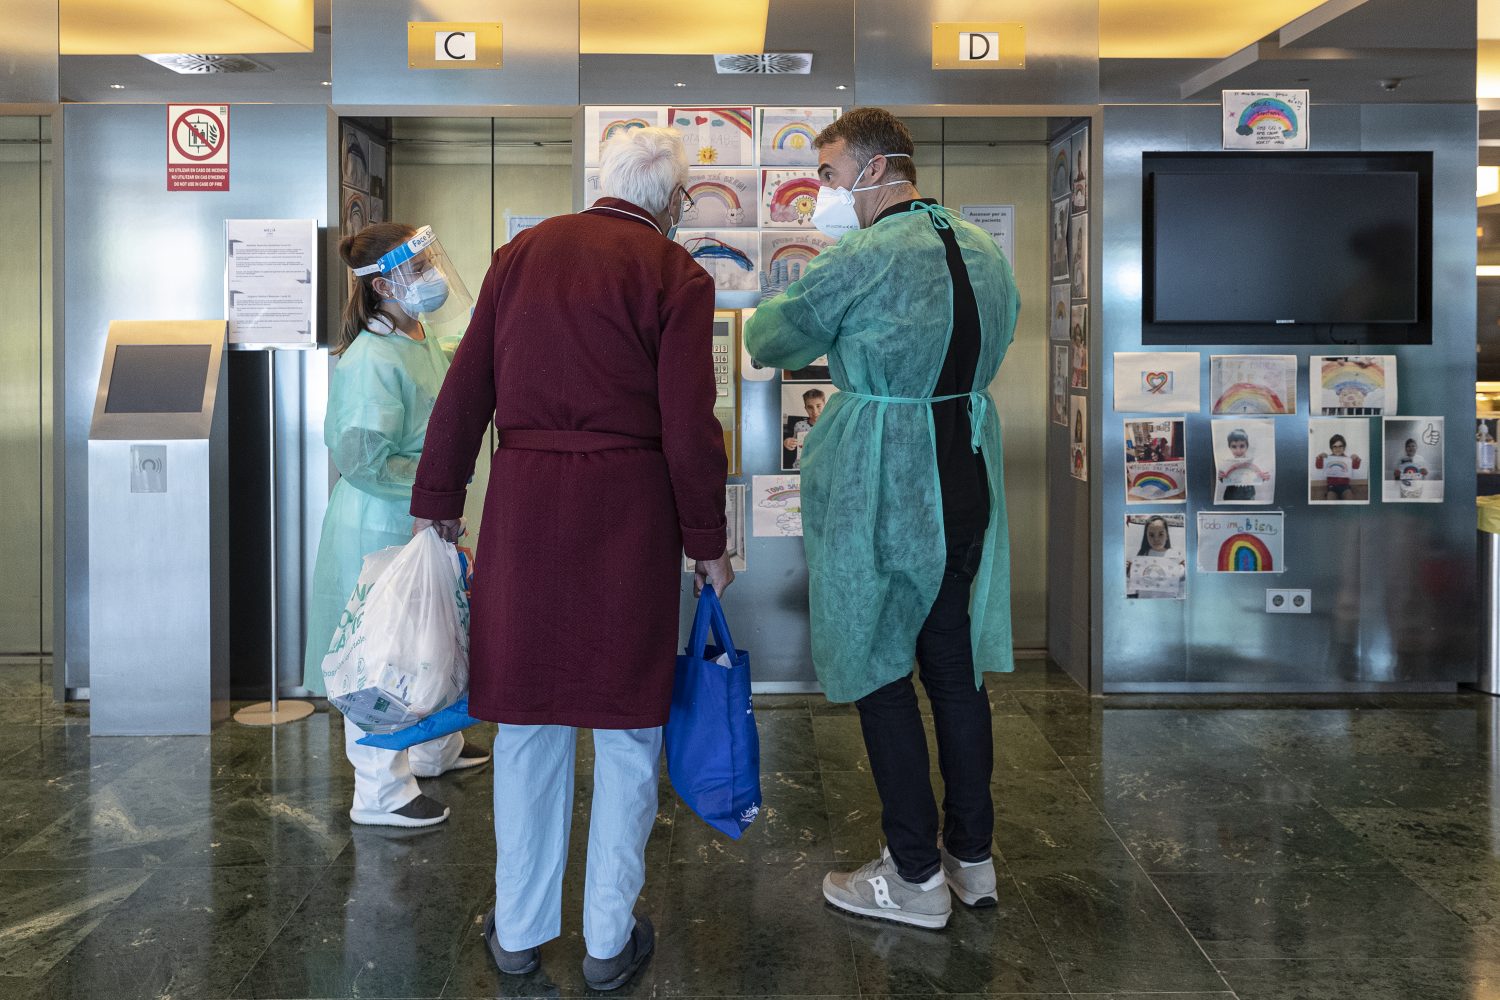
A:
(1002, 161)
(474, 180)
(26, 385)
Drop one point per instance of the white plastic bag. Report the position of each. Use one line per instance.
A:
(401, 651)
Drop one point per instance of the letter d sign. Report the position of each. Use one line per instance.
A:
(978, 46)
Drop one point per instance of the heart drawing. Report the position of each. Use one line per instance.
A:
(701, 120)
(1158, 382)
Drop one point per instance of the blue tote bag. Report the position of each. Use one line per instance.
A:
(713, 750)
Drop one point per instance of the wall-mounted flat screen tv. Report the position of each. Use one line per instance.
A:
(1339, 242)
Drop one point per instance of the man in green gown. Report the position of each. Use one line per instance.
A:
(903, 505)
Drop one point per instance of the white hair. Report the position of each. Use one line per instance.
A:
(643, 166)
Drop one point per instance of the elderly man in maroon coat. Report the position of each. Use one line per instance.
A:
(591, 349)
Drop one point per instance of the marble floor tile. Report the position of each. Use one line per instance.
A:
(1389, 780)
(1184, 782)
(1047, 817)
(1313, 915)
(44, 915)
(140, 822)
(995, 951)
(184, 933)
(33, 805)
(68, 754)
(1397, 977)
(372, 931)
(786, 741)
(1109, 930)
(853, 815)
(1244, 837)
(793, 826)
(1332, 732)
(750, 930)
(1021, 746)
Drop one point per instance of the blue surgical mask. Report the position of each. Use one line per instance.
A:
(426, 295)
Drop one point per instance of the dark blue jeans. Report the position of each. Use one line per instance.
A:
(897, 744)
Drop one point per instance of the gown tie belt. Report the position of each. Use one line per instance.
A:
(574, 441)
(979, 406)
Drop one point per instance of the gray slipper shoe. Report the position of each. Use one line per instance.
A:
(512, 963)
(605, 974)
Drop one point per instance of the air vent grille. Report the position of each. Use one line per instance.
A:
(191, 62)
(765, 62)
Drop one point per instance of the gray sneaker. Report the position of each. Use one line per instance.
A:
(974, 885)
(877, 890)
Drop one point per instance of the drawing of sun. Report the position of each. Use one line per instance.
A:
(708, 154)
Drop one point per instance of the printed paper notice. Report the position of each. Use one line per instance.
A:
(270, 297)
(997, 220)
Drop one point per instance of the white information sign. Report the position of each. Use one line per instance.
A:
(997, 220)
(270, 297)
(1265, 119)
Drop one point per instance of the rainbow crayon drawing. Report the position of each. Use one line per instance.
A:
(1268, 111)
(1245, 553)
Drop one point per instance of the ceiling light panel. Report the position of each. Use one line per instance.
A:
(1189, 29)
(137, 27)
(671, 27)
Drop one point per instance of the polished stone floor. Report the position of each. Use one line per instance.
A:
(1223, 847)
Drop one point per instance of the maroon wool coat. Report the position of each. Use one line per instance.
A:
(591, 348)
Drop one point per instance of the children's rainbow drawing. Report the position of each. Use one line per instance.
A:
(707, 191)
(619, 125)
(793, 136)
(702, 248)
(1352, 378)
(1154, 483)
(1244, 553)
(793, 253)
(787, 495)
(793, 200)
(1249, 397)
(1268, 110)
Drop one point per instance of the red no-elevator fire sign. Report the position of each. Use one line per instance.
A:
(197, 147)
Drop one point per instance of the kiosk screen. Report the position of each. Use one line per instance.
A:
(158, 378)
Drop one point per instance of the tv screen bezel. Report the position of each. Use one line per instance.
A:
(1240, 162)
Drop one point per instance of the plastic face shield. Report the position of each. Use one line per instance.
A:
(424, 282)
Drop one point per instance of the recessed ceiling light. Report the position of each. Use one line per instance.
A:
(841, 87)
(117, 86)
(679, 83)
(328, 83)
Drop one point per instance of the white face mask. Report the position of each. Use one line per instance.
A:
(834, 215)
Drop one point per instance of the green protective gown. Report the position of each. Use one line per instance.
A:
(879, 303)
(380, 399)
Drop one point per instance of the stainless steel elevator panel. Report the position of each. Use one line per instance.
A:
(160, 254)
(157, 536)
(24, 356)
(1393, 595)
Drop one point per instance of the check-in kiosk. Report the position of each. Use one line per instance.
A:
(158, 532)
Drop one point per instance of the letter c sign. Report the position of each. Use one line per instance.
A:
(456, 46)
(978, 46)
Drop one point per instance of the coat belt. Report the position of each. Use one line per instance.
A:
(574, 441)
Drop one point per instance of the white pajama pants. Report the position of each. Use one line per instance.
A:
(386, 780)
(533, 815)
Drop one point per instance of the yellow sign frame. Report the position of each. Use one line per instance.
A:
(421, 44)
(1011, 43)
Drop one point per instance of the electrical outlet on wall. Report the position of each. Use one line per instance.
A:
(1288, 602)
